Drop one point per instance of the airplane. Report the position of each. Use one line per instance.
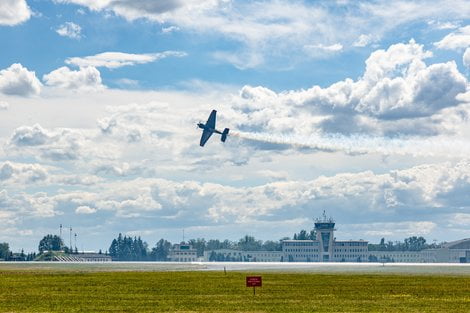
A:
(209, 129)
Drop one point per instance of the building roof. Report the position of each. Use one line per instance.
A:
(458, 244)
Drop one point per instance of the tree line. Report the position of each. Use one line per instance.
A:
(413, 243)
(127, 248)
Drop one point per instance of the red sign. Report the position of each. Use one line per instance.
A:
(253, 281)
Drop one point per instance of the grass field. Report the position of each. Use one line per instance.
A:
(62, 291)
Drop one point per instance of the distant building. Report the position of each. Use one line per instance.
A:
(182, 253)
(325, 248)
(451, 252)
(83, 257)
(231, 255)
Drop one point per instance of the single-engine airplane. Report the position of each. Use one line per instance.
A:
(209, 129)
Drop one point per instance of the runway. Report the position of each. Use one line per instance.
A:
(353, 268)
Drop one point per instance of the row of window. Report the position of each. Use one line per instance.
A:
(351, 244)
(350, 250)
(306, 256)
(350, 256)
(300, 244)
(184, 253)
(301, 250)
(185, 260)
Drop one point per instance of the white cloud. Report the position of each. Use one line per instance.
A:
(57, 145)
(18, 80)
(396, 87)
(320, 50)
(269, 31)
(84, 79)
(85, 210)
(363, 40)
(466, 58)
(70, 30)
(170, 29)
(13, 12)
(22, 173)
(30, 136)
(327, 48)
(443, 25)
(462, 219)
(459, 39)
(119, 59)
(404, 229)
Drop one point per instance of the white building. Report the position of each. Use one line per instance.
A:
(325, 247)
(182, 253)
(232, 255)
(350, 251)
(301, 250)
(451, 252)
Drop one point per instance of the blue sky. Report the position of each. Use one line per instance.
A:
(359, 108)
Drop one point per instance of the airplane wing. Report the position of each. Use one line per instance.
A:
(206, 134)
(211, 121)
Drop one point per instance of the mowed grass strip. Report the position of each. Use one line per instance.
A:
(24, 291)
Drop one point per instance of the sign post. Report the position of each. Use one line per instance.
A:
(253, 281)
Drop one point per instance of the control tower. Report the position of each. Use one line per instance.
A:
(324, 228)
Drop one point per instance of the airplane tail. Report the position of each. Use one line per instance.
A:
(224, 134)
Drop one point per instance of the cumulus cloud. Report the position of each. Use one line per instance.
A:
(30, 136)
(396, 86)
(70, 30)
(466, 58)
(18, 80)
(84, 79)
(119, 59)
(59, 144)
(22, 173)
(85, 210)
(36, 205)
(460, 39)
(417, 190)
(13, 12)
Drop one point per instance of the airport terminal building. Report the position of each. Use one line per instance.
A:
(325, 248)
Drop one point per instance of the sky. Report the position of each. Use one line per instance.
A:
(358, 108)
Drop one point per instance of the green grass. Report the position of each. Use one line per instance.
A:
(60, 291)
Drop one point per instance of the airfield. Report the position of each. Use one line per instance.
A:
(220, 287)
(301, 267)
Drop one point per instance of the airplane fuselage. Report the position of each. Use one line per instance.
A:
(212, 130)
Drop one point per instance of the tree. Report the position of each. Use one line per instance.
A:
(128, 249)
(249, 243)
(199, 244)
(161, 250)
(51, 243)
(4, 251)
(304, 235)
(415, 243)
(269, 245)
(213, 256)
